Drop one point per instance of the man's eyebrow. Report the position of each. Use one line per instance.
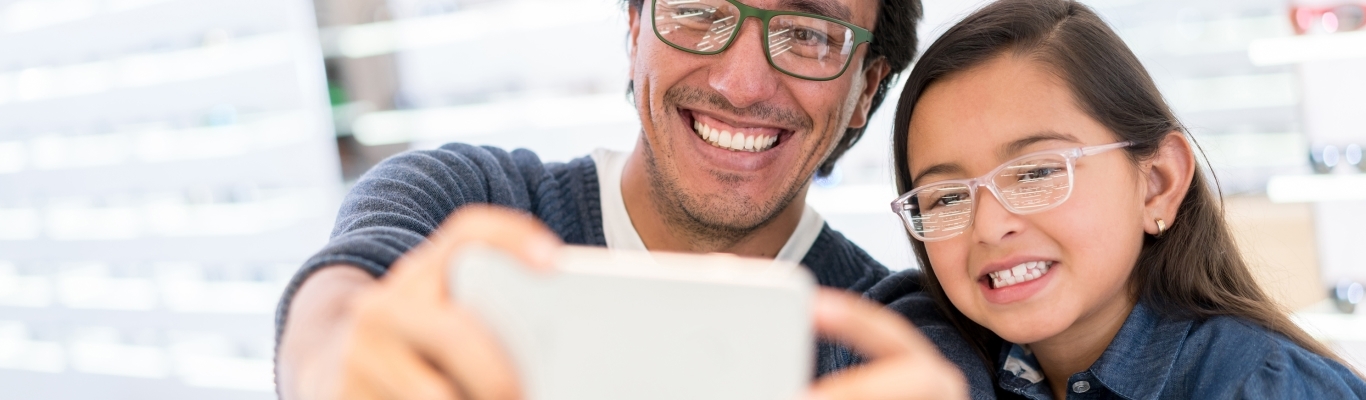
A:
(1015, 147)
(826, 8)
(946, 168)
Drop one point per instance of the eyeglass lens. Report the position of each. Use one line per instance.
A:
(798, 45)
(1026, 185)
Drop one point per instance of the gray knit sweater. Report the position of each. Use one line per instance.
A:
(395, 205)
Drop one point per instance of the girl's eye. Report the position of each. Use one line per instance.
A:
(1038, 174)
(950, 200)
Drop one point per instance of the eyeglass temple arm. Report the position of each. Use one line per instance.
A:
(1086, 151)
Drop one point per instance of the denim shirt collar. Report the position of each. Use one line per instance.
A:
(1135, 365)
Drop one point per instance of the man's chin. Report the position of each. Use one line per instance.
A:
(722, 201)
(720, 214)
(713, 203)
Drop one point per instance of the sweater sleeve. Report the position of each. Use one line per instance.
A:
(400, 201)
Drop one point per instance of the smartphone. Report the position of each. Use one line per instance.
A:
(636, 325)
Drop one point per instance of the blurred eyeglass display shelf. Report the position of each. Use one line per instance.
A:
(165, 166)
(1328, 52)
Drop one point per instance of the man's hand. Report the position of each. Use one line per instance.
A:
(902, 363)
(349, 337)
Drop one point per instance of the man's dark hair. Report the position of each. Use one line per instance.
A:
(894, 39)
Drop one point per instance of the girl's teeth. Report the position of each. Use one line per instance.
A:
(1022, 273)
(733, 141)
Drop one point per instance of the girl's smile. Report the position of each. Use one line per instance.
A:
(1008, 282)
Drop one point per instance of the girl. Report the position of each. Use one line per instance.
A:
(1067, 230)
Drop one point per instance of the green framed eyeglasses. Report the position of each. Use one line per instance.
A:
(803, 45)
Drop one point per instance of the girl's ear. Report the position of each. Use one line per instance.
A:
(1168, 177)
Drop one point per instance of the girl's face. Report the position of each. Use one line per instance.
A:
(966, 125)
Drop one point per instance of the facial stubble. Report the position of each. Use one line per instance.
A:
(718, 223)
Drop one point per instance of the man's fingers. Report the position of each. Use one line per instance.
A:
(904, 365)
(902, 378)
(516, 233)
(439, 337)
(403, 374)
(870, 382)
(458, 343)
(445, 336)
(867, 328)
(380, 365)
(423, 271)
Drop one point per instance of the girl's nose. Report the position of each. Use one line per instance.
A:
(992, 222)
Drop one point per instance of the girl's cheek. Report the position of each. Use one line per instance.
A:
(950, 266)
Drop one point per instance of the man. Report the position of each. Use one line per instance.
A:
(735, 122)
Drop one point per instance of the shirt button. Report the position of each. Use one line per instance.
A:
(1081, 387)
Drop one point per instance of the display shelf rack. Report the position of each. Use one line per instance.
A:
(165, 166)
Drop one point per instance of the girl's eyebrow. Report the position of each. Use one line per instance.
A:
(1008, 150)
(945, 168)
(1015, 147)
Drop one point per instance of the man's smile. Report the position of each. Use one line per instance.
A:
(737, 141)
(734, 136)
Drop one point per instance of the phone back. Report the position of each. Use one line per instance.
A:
(630, 325)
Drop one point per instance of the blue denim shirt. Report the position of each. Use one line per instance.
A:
(1156, 357)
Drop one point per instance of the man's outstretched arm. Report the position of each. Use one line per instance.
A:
(393, 209)
(354, 337)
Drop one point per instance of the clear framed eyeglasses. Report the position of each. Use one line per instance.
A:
(1031, 183)
(807, 46)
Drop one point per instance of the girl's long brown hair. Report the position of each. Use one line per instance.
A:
(1195, 269)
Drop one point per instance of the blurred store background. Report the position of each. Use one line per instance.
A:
(165, 165)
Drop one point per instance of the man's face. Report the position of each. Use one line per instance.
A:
(789, 125)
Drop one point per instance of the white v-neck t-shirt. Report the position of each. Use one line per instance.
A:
(621, 233)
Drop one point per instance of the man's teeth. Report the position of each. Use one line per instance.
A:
(734, 141)
(1019, 274)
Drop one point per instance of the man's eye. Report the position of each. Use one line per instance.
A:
(808, 37)
(692, 13)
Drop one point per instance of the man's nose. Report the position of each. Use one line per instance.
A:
(742, 74)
